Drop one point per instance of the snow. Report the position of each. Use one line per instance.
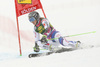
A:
(78, 58)
(69, 17)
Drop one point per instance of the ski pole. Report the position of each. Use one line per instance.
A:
(73, 35)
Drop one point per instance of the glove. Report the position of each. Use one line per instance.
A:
(44, 39)
(36, 48)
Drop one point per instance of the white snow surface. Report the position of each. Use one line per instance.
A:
(67, 16)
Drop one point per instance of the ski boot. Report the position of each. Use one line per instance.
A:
(78, 43)
(36, 48)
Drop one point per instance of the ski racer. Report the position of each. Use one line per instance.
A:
(42, 26)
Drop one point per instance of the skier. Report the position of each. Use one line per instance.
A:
(42, 26)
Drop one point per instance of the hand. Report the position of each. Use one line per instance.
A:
(44, 39)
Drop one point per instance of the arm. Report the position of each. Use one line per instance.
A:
(38, 43)
(37, 39)
(45, 23)
(36, 35)
(48, 27)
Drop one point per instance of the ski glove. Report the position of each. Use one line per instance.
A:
(44, 39)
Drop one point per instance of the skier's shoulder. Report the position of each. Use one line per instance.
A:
(44, 19)
(34, 29)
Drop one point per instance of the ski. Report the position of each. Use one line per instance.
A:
(36, 54)
(59, 50)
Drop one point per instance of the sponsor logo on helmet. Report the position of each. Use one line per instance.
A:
(24, 1)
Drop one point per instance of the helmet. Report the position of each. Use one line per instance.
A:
(33, 16)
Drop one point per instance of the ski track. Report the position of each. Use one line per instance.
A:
(13, 55)
(72, 59)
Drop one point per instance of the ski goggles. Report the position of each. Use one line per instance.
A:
(32, 19)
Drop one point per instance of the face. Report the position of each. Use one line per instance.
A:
(34, 22)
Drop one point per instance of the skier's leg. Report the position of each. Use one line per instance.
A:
(63, 41)
(70, 44)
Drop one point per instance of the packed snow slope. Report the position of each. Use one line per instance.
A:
(67, 16)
